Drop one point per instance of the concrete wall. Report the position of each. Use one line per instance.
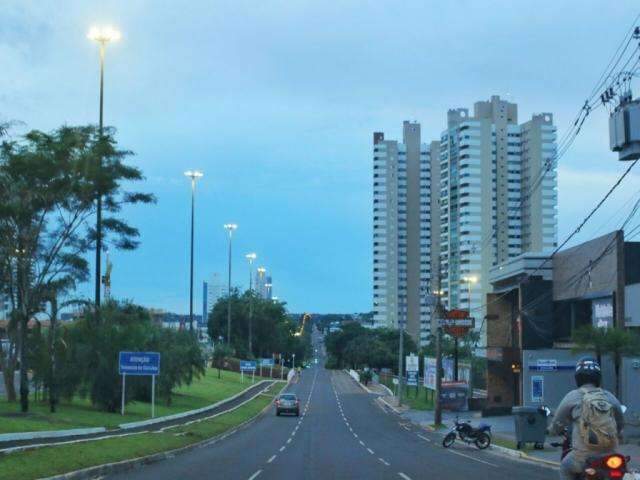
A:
(560, 381)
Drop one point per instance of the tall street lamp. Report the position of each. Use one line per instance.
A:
(193, 175)
(102, 35)
(250, 258)
(229, 227)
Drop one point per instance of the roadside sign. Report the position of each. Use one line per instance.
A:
(138, 364)
(266, 362)
(412, 363)
(247, 365)
(457, 322)
(412, 378)
(430, 373)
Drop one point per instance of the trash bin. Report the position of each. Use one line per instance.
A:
(531, 426)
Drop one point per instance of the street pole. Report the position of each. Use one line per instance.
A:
(193, 175)
(438, 406)
(98, 279)
(400, 359)
(251, 257)
(103, 36)
(230, 227)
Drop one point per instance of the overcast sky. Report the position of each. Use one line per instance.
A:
(276, 102)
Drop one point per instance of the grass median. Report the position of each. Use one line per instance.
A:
(54, 460)
(79, 413)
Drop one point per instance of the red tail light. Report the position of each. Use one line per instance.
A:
(616, 474)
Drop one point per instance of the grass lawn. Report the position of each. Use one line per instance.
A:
(55, 460)
(80, 413)
(422, 402)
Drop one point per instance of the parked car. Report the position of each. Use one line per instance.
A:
(288, 403)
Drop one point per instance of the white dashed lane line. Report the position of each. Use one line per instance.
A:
(370, 451)
(282, 448)
(271, 459)
(384, 461)
(424, 438)
(255, 475)
(406, 477)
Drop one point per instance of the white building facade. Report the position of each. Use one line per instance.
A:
(402, 232)
(495, 203)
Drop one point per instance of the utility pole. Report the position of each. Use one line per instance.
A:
(438, 406)
(400, 354)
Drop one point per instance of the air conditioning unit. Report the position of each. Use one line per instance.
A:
(624, 129)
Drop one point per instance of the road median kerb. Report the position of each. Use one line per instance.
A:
(79, 433)
(125, 465)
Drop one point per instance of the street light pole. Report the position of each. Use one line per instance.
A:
(400, 358)
(469, 279)
(251, 257)
(103, 36)
(193, 175)
(230, 227)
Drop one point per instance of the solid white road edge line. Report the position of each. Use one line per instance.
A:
(473, 458)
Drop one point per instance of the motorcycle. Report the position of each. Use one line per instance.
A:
(480, 436)
(598, 467)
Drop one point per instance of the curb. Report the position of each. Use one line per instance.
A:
(46, 434)
(126, 465)
(189, 413)
(79, 433)
(523, 456)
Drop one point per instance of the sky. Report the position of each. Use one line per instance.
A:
(276, 102)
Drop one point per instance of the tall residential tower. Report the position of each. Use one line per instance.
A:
(494, 201)
(402, 232)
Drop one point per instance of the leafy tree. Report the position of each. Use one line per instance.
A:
(273, 330)
(48, 186)
(616, 342)
(221, 353)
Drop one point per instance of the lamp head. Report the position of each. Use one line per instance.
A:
(193, 174)
(104, 34)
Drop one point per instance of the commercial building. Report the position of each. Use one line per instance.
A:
(538, 302)
(402, 232)
(212, 291)
(495, 203)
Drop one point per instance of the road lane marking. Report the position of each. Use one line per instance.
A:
(355, 435)
(384, 461)
(282, 448)
(289, 440)
(424, 438)
(271, 459)
(370, 451)
(406, 477)
(255, 475)
(473, 458)
(361, 443)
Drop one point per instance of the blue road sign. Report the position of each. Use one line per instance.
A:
(412, 379)
(139, 363)
(247, 365)
(266, 362)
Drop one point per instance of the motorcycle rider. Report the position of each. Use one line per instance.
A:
(588, 376)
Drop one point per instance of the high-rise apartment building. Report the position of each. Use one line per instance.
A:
(402, 232)
(444, 213)
(212, 291)
(494, 203)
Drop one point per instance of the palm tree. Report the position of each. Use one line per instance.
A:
(616, 342)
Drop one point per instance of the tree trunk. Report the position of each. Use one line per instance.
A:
(8, 365)
(24, 379)
(53, 397)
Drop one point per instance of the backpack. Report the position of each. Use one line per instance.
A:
(597, 425)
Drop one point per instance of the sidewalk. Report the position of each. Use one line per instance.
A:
(503, 430)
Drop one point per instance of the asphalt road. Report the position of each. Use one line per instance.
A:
(343, 433)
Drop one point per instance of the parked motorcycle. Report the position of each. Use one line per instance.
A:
(598, 467)
(480, 436)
